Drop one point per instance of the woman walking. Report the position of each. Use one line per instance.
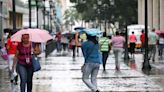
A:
(91, 53)
(11, 50)
(23, 59)
(117, 45)
(132, 40)
(73, 47)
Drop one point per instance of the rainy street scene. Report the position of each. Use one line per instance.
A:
(81, 46)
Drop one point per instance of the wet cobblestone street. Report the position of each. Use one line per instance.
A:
(62, 74)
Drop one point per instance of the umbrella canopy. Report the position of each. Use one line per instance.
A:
(79, 28)
(36, 35)
(159, 31)
(92, 32)
(68, 33)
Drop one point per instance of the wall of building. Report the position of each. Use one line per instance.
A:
(155, 13)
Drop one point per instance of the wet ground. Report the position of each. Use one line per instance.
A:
(62, 74)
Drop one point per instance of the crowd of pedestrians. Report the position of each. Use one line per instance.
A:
(95, 51)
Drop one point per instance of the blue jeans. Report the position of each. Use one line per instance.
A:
(161, 46)
(26, 75)
(90, 69)
(58, 46)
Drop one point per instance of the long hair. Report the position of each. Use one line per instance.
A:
(92, 38)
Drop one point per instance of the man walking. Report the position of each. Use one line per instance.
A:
(152, 40)
(142, 39)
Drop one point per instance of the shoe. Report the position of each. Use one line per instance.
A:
(117, 68)
(104, 70)
(11, 81)
(16, 80)
(97, 91)
(15, 83)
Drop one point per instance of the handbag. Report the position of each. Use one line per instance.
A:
(35, 63)
(70, 46)
(3, 53)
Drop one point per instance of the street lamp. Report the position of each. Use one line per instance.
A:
(146, 64)
(37, 14)
(43, 11)
(105, 12)
(52, 7)
(29, 5)
(14, 16)
(99, 2)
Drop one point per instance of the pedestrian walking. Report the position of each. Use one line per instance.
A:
(58, 42)
(142, 39)
(73, 46)
(11, 50)
(23, 60)
(117, 46)
(104, 48)
(4, 39)
(132, 40)
(64, 42)
(90, 49)
(161, 45)
(152, 40)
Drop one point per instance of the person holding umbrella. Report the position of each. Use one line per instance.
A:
(92, 56)
(23, 59)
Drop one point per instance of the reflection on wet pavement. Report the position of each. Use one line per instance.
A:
(61, 74)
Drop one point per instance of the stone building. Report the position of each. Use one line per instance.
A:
(155, 13)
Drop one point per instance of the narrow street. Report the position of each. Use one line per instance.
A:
(62, 74)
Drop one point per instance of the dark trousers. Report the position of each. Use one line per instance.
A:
(26, 75)
(64, 46)
(142, 47)
(74, 52)
(132, 48)
(104, 58)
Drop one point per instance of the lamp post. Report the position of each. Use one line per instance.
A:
(37, 13)
(14, 16)
(44, 16)
(146, 64)
(1, 20)
(99, 2)
(51, 13)
(29, 5)
(105, 12)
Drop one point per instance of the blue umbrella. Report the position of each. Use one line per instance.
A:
(92, 32)
(79, 28)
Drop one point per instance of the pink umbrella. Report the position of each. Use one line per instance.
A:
(159, 31)
(36, 35)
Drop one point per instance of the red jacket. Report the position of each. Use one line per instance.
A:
(142, 37)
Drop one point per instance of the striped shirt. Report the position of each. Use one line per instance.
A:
(104, 44)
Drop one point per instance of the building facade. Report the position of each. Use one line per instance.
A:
(155, 13)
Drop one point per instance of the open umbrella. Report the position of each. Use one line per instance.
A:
(159, 31)
(92, 32)
(36, 35)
